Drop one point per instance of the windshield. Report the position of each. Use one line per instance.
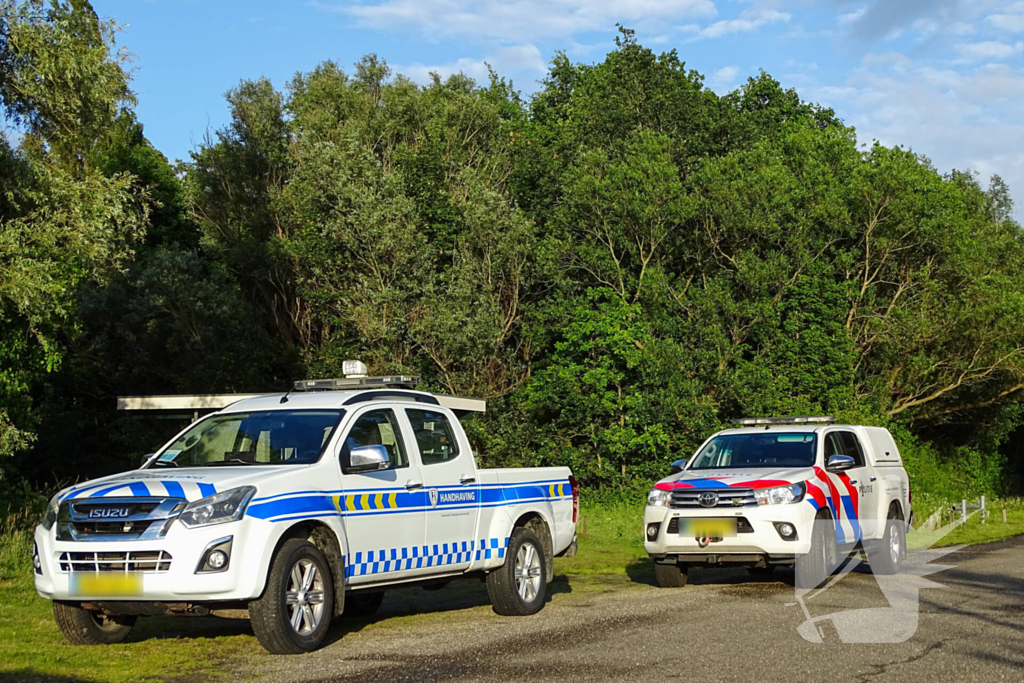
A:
(770, 449)
(271, 437)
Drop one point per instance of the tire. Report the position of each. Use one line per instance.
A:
(671, 575)
(83, 627)
(816, 566)
(517, 588)
(362, 604)
(299, 588)
(762, 571)
(888, 558)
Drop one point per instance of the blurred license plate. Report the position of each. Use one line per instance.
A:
(106, 585)
(707, 527)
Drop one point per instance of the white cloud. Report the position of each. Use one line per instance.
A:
(723, 80)
(966, 117)
(851, 17)
(960, 28)
(514, 20)
(990, 49)
(1007, 22)
(516, 59)
(749, 20)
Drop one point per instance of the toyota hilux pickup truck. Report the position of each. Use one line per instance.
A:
(297, 508)
(797, 491)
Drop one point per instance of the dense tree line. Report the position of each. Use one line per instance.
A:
(621, 264)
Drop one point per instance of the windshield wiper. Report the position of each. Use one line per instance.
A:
(232, 461)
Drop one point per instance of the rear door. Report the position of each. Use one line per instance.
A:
(383, 513)
(452, 491)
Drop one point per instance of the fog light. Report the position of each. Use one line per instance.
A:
(37, 564)
(786, 530)
(652, 531)
(217, 559)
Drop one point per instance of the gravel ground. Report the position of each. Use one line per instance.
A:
(726, 625)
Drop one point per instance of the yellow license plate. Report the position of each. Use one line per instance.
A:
(707, 527)
(106, 585)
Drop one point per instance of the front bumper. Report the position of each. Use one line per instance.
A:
(763, 543)
(243, 579)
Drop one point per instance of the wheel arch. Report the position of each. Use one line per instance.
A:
(539, 525)
(327, 542)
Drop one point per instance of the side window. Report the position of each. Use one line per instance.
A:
(377, 428)
(851, 447)
(434, 436)
(833, 446)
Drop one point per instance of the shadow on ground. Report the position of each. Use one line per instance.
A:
(33, 676)
(457, 595)
(642, 571)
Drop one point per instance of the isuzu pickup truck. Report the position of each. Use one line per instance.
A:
(297, 508)
(781, 491)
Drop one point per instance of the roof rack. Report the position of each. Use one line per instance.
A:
(350, 383)
(792, 420)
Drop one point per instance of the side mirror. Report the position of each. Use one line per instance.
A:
(368, 459)
(678, 466)
(838, 463)
(145, 459)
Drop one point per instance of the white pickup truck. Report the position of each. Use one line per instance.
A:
(297, 508)
(781, 491)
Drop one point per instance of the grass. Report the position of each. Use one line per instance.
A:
(32, 649)
(611, 557)
(975, 530)
(609, 542)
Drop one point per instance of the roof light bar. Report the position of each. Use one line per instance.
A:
(793, 420)
(350, 383)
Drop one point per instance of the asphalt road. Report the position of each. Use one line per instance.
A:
(726, 625)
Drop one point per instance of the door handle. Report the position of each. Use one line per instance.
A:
(467, 480)
(852, 482)
(410, 485)
(874, 478)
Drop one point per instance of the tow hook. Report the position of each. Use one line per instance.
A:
(706, 540)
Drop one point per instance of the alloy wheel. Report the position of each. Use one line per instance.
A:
(305, 597)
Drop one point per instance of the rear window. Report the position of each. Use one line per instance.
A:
(768, 449)
(434, 436)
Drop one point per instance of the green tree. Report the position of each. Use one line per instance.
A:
(62, 222)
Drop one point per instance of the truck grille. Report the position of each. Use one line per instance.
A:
(117, 519)
(727, 498)
(129, 561)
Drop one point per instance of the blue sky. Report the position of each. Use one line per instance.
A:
(943, 77)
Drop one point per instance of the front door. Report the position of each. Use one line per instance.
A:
(452, 492)
(863, 478)
(382, 510)
(853, 508)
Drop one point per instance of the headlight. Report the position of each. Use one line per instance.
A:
(780, 495)
(218, 508)
(658, 498)
(51, 512)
